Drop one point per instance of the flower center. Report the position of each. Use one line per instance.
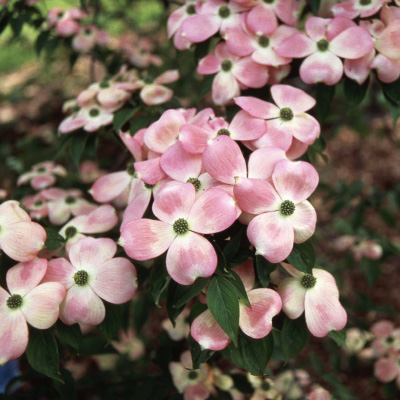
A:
(38, 203)
(287, 207)
(193, 375)
(180, 226)
(41, 169)
(224, 12)
(190, 9)
(105, 84)
(130, 169)
(195, 182)
(263, 41)
(148, 186)
(87, 31)
(94, 112)
(308, 281)
(226, 65)
(70, 199)
(265, 386)
(14, 301)
(323, 45)
(70, 232)
(223, 131)
(286, 114)
(389, 340)
(268, 1)
(81, 278)
(365, 2)
(60, 15)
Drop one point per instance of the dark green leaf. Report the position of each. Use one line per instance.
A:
(67, 389)
(77, 147)
(371, 270)
(388, 217)
(240, 289)
(295, 336)
(54, 240)
(173, 311)
(121, 117)
(41, 41)
(324, 97)
(316, 363)
(70, 334)
(302, 256)
(92, 345)
(159, 278)
(42, 353)
(112, 323)
(183, 294)
(338, 336)
(198, 356)
(354, 92)
(315, 4)
(142, 121)
(223, 302)
(232, 246)
(264, 269)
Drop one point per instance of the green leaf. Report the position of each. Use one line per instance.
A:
(42, 353)
(223, 302)
(183, 294)
(371, 270)
(388, 217)
(172, 309)
(142, 121)
(302, 256)
(391, 92)
(112, 323)
(77, 147)
(354, 92)
(240, 289)
(41, 41)
(198, 356)
(232, 246)
(70, 334)
(295, 336)
(53, 240)
(338, 336)
(324, 97)
(315, 4)
(159, 279)
(121, 117)
(264, 269)
(252, 354)
(67, 389)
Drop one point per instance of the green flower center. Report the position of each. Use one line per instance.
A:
(148, 186)
(365, 2)
(130, 169)
(195, 182)
(265, 386)
(180, 226)
(38, 203)
(94, 112)
(190, 9)
(389, 340)
(286, 114)
(104, 84)
(70, 199)
(223, 131)
(308, 281)
(87, 31)
(41, 169)
(287, 207)
(268, 1)
(323, 45)
(193, 375)
(263, 41)
(14, 301)
(226, 65)
(70, 232)
(81, 278)
(224, 12)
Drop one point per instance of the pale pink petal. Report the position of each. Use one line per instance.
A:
(262, 162)
(154, 94)
(163, 133)
(382, 329)
(22, 241)
(103, 219)
(224, 88)
(278, 138)
(214, 211)
(224, 160)
(256, 321)
(62, 271)
(321, 67)
(143, 239)
(257, 108)
(206, 331)
(293, 295)
(296, 150)
(198, 28)
(190, 256)
(140, 200)
(23, 277)
(169, 76)
(305, 128)
(388, 69)
(238, 42)
(323, 309)
(246, 274)
(386, 369)
(82, 305)
(246, 127)
(194, 138)
(208, 65)
(10, 212)
(292, 270)
(388, 42)
(133, 144)
(294, 181)
(256, 196)
(262, 20)
(174, 202)
(114, 280)
(287, 11)
(150, 171)
(303, 220)
(110, 186)
(72, 123)
(43, 181)
(199, 391)
(297, 45)
(180, 165)
(352, 43)
(250, 73)
(272, 235)
(41, 305)
(359, 69)
(295, 99)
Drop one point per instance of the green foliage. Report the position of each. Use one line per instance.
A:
(112, 323)
(71, 335)
(295, 336)
(338, 336)
(53, 240)
(302, 256)
(264, 270)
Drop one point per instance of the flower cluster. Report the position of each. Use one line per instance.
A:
(359, 247)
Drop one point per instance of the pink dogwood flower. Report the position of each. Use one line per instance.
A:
(232, 73)
(92, 275)
(20, 238)
(42, 175)
(255, 322)
(36, 205)
(88, 37)
(316, 294)
(353, 8)
(387, 368)
(319, 393)
(325, 42)
(287, 119)
(183, 220)
(386, 338)
(27, 302)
